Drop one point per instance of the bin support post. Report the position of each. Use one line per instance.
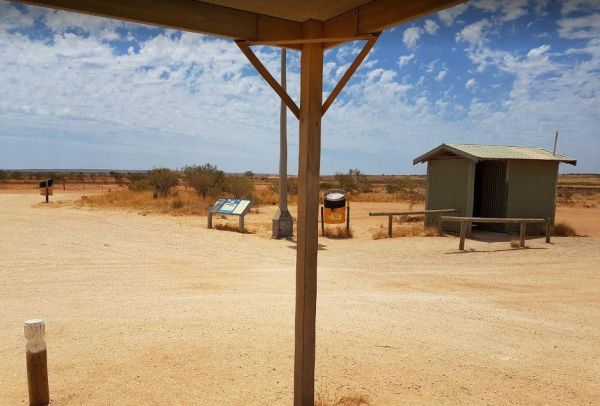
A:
(463, 233)
(37, 363)
(548, 230)
(522, 230)
(242, 223)
(348, 221)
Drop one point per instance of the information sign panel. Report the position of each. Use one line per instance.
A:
(230, 206)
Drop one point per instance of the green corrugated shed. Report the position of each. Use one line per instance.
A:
(492, 181)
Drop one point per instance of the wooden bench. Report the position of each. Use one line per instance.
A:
(410, 213)
(521, 221)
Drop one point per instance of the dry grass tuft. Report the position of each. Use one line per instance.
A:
(179, 204)
(409, 219)
(230, 227)
(338, 232)
(515, 244)
(564, 229)
(413, 230)
(352, 399)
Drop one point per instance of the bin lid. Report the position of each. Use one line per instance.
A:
(335, 195)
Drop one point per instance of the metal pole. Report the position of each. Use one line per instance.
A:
(555, 143)
(283, 224)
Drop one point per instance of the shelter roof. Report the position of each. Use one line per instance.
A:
(269, 22)
(480, 152)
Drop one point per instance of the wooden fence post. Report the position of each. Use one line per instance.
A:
(548, 230)
(522, 230)
(463, 232)
(390, 217)
(37, 363)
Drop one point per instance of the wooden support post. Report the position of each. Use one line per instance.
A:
(209, 220)
(440, 224)
(47, 192)
(311, 99)
(390, 218)
(37, 363)
(242, 223)
(548, 230)
(522, 231)
(463, 233)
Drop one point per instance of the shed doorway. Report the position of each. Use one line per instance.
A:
(490, 193)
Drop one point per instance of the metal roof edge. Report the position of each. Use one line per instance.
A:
(449, 148)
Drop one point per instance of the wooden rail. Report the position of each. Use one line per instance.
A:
(521, 221)
(409, 213)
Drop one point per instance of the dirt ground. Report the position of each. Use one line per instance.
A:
(161, 310)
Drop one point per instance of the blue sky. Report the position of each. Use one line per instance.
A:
(78, 91)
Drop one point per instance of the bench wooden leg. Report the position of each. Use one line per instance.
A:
(463, 233)
(522, 235)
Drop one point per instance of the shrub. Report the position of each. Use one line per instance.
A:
(162, 180)
(139, 184)
(206, 179)
(239, 186)
(249, 174)
(292, 186)
(564, 229)
(177, 204)
(353, 182)
(515, 244)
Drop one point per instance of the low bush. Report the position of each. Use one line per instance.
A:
(413, 230)
(564, 229)
(338, 232)
(351, 399)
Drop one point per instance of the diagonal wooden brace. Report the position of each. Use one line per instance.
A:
(264, 72)
(351, 69)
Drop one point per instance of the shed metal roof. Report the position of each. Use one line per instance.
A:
(478, 152)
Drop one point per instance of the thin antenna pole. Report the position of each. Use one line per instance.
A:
(555, 143)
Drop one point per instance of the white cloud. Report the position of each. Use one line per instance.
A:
(448, 16)
(431, 27)
(574, 6)
(474, 33)
(584, 27)
(441, 75)
(470, 84)
(511, 10)
(411, 36)
(405, 59)
(539, 51)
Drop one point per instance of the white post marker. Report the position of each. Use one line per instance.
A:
(37, 363)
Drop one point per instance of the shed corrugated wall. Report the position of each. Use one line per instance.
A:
(531, 189)
(450, 184)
